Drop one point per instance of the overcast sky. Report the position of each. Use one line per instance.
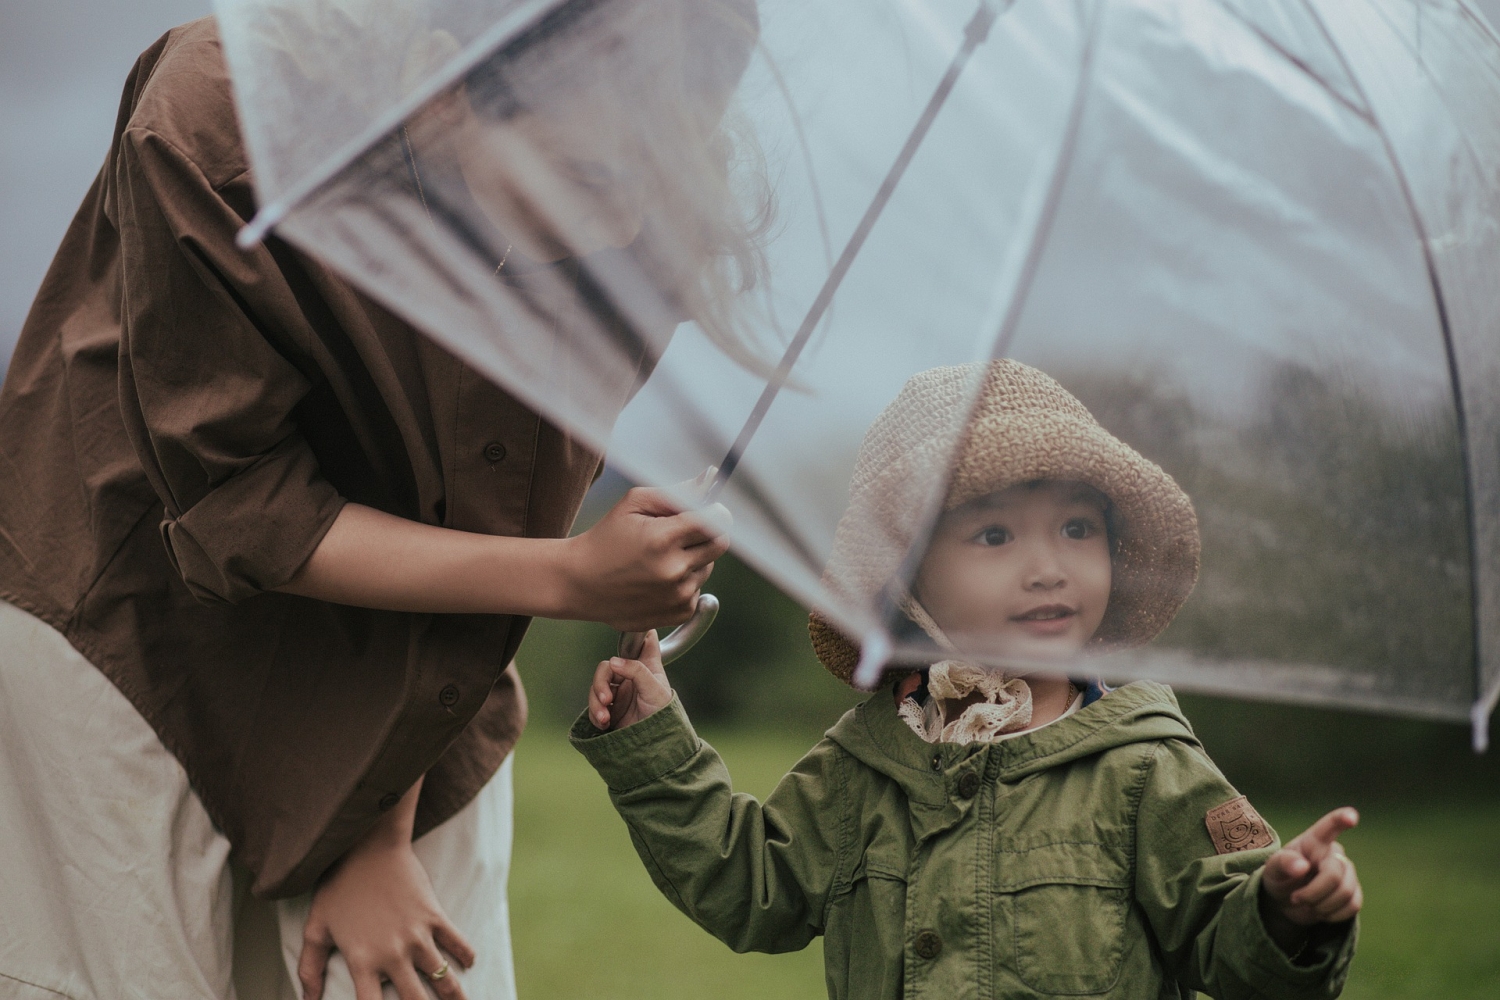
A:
(62, 64)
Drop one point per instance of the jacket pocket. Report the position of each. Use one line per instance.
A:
(1064, 906)
(864, 934)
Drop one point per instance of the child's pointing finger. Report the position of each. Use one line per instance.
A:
(1318, 840)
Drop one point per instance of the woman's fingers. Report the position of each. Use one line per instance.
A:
(451, 941)
(367, 984)
(408, 983)
(313, 965)
(446, 986)
(707, 526)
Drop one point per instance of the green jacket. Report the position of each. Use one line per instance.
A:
(1073, 861)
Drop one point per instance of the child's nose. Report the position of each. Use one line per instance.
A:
(1045, 570)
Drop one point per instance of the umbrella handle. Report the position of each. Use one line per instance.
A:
(681, 639)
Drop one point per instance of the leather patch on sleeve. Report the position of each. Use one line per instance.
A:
(1236, 826)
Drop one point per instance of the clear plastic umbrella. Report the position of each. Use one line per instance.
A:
(1258, 239)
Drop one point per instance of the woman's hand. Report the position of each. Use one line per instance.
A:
(641, 566)
(645, 562)
(378, 910)
(626, 691)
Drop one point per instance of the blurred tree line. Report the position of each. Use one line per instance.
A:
(1333, 530)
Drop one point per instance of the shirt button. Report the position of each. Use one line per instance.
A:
(968, 784)
(388, 801)
(448, 696)
(494, 452)
(928, 944)
(937, 762)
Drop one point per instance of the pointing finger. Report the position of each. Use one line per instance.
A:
(1317, 840)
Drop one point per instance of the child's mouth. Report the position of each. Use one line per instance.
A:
(1049, 619)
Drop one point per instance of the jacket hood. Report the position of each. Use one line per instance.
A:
(927, 772)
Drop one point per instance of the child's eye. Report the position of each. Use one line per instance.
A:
(992, 535)
(1079, 528)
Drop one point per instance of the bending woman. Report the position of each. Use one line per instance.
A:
(266, 555)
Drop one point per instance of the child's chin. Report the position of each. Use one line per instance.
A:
(1030, 654)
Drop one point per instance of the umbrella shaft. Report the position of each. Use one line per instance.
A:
(975, 33)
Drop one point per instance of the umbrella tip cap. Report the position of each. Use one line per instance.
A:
(254, 232)
(874, 654)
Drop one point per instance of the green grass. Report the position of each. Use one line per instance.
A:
(588, 923)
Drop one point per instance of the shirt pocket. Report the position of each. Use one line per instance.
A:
(1061, 914)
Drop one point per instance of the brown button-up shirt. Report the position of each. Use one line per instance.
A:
(180, 425)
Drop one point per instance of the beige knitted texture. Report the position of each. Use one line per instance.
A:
(1022, 427)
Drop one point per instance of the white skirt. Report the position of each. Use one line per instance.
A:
(114, 883)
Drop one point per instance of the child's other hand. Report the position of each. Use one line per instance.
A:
(1310, 880)
(626, 691)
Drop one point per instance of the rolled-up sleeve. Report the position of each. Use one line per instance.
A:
(210, 346)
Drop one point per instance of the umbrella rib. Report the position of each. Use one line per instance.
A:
(1025, 274)
(975, 33)
(1439, 304)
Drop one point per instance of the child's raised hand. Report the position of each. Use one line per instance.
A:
(626, 691)
(1310, 880)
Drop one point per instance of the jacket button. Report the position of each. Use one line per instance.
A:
(937, 762)
(928, 944)
(448, 696)
(968, 784)
(388, 801)
(494, 452)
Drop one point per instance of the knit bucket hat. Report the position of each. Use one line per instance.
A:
(1023, 427)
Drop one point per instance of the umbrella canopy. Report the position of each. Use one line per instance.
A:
(1258, 240)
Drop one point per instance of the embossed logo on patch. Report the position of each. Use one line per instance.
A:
(1236, 826)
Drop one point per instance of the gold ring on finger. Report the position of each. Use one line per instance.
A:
(441, 973)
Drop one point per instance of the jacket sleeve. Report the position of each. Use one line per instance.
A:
(756, 876)
(206, 395)
(1203, 907)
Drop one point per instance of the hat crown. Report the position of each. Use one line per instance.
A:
(935, 406)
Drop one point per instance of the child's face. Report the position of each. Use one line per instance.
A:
(1024, 572)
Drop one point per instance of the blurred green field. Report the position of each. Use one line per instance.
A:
(588, 923)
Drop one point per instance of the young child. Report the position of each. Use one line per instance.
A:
(964, 833)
